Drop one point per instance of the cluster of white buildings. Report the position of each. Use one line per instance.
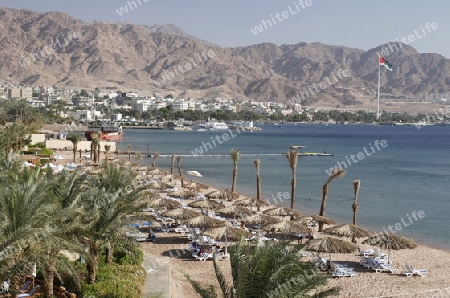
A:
(87, 105)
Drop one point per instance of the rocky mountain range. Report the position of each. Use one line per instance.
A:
(55, 49)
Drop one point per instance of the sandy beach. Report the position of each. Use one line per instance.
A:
(169, 250)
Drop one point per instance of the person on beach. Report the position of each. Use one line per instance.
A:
(151, 236)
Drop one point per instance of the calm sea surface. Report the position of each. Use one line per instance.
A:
(411, 173)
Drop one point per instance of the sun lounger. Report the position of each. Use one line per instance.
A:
(381, 267)
(410, 271)
(30, 293)
(204, 256)
(25, 286)
(366, 253)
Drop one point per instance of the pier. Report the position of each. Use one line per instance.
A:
(266, 155)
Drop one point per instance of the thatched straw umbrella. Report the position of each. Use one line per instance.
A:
(191, 186)
(287, 227)
(222, 194)
(163, 202)
(251, 202)
(261, 219)
(160, 185)
(157, 172)
(205, 221)
(234, 211)
(390, 241)
(181, 213)
(331, 245)
(348, 230)
(282, 211)
(168, 178)
(207, 204)
(227, 232)
(183, 194)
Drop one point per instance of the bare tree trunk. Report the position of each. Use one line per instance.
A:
(50, 276)
(129, 152)
(179, 170)
(293, 184)
(95, 153)
(258, 180)
(74, 152)
(98, 152)
(323, 205)
(109, 253)
(233, 185)
(92, 263)
(172, 162)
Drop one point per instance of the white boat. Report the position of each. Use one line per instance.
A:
(217, 125)
(211, 125)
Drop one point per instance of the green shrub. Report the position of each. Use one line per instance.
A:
(117, 281)
(133, 256)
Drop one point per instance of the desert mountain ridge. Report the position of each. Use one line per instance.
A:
(55, 49)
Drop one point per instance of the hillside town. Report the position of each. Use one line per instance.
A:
(131, 108)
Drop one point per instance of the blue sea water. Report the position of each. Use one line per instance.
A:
(411, 173)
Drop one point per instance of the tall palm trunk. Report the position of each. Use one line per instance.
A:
(234, 156)
(92, 263)
(292, 157)
(94, 149)
(74, 152)
(155, 158)
(179, 170)
(324, 204)
(109, 253)
(258, 179)
(129, 152)
(337, 173)
(355, 206)
(172, 162)
(98, 152)
(50, 274)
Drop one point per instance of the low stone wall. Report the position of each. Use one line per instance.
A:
(83, 145)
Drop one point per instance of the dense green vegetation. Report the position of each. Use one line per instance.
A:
(270, 270)
(42, 215)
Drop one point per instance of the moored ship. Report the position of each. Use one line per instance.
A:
(110, 133)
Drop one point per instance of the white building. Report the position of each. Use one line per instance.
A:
(156, 105)
(180, 105)
(87, 115)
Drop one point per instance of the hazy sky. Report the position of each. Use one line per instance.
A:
(355, 23)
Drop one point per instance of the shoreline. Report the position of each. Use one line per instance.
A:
(434, 260)
(169, 250)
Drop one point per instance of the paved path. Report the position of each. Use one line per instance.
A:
(157, 282)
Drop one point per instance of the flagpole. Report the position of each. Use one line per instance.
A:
(378, 96)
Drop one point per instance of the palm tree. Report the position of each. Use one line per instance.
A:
(139, 157)
(155, 157)
(129, 152)
(268, 270)
(179, 170)
(25, 217)
(107, 148)
(75, 139)
(336, 173)
(257, 163)
(172, 162)
(95, 142)
(355, 205)
(235, 154)
(115, 199)
(292, 157)
(98, 152)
